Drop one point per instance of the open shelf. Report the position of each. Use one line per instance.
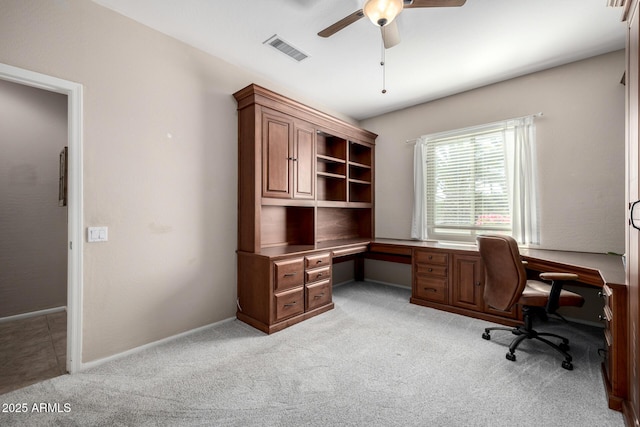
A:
(286, 225)
(360, 153)
(331, 187)
(343, 223)
(330, 146)
(360, 173)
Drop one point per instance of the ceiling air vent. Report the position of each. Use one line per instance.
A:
(276, 42)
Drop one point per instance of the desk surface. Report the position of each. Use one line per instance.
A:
(593, 268)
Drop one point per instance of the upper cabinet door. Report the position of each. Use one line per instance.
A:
(277, 136)
(304, 160)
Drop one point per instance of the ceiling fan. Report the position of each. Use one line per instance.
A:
(383, 13)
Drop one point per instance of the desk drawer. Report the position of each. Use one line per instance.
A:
(289, 303)
(431, 288)
(427, 257)
(431, 270)
(350, 251)
(318, 294)
(289, 273)
(319, 260)
(317, 274)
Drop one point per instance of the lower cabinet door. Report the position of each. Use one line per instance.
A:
(318, 294)
(289, 303)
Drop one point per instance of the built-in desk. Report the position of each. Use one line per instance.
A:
(450, 277)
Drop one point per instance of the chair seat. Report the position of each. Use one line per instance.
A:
(536, 294)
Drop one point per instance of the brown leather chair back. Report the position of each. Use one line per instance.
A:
(506, 276)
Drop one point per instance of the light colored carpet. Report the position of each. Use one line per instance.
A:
(375, 360)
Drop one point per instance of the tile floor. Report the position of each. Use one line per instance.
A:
(32, 350)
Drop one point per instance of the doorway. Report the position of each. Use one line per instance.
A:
(33, 234)
(74, 234)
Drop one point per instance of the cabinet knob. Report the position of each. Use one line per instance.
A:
(602, 317)
(478, 283)
(600, 294)
(430, 256)
(430, 270)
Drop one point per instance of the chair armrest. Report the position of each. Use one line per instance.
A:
(557, 280)
(565, 277)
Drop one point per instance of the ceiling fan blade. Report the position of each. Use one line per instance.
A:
(435, 3)
(344, 22)
(390, 34)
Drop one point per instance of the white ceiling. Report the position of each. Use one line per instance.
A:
(443, 50)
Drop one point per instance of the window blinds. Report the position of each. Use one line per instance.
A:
(466, 183)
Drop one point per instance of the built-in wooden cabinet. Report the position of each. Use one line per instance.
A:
(288, 157)
(305, 197)
(614, 316)
(431, 276)
(453, 281)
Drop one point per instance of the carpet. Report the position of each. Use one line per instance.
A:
(375, 360)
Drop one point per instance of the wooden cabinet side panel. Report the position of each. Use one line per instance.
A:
(254, 287)
(249, 180)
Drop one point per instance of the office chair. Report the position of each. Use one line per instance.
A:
(507, 285)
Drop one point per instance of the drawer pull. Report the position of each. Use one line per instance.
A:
(430, 270)
(319, 275)
(290, 274)
(430, 256)
(602, 317)
(477, 283)
(318, 296)
(319, 261)
(291, 304)
(431, 289)
(600, 294)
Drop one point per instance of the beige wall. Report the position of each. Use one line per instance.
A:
(580, 142)
(160, 154)
(33, 228)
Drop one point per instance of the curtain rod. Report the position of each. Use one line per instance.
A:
(539, 114)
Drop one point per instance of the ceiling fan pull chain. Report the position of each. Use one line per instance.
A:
(382, 63)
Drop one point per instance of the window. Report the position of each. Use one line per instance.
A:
(467, 186)
(476, 181)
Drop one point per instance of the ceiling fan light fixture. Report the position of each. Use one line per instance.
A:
(382, 12)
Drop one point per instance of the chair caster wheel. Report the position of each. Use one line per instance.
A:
(567, 365)
(511, 357)
(486, 336)
(564, 346)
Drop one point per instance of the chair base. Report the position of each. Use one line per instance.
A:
(527, 332)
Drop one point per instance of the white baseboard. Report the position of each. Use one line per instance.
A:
(380, 282)
(335, 285)
(94, 363)
(32, 314)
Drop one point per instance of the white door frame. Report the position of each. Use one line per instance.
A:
(74, 203)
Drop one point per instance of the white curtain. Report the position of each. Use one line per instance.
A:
(419, 220)
(521, 176)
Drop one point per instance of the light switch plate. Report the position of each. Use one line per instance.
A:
(97, 234)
